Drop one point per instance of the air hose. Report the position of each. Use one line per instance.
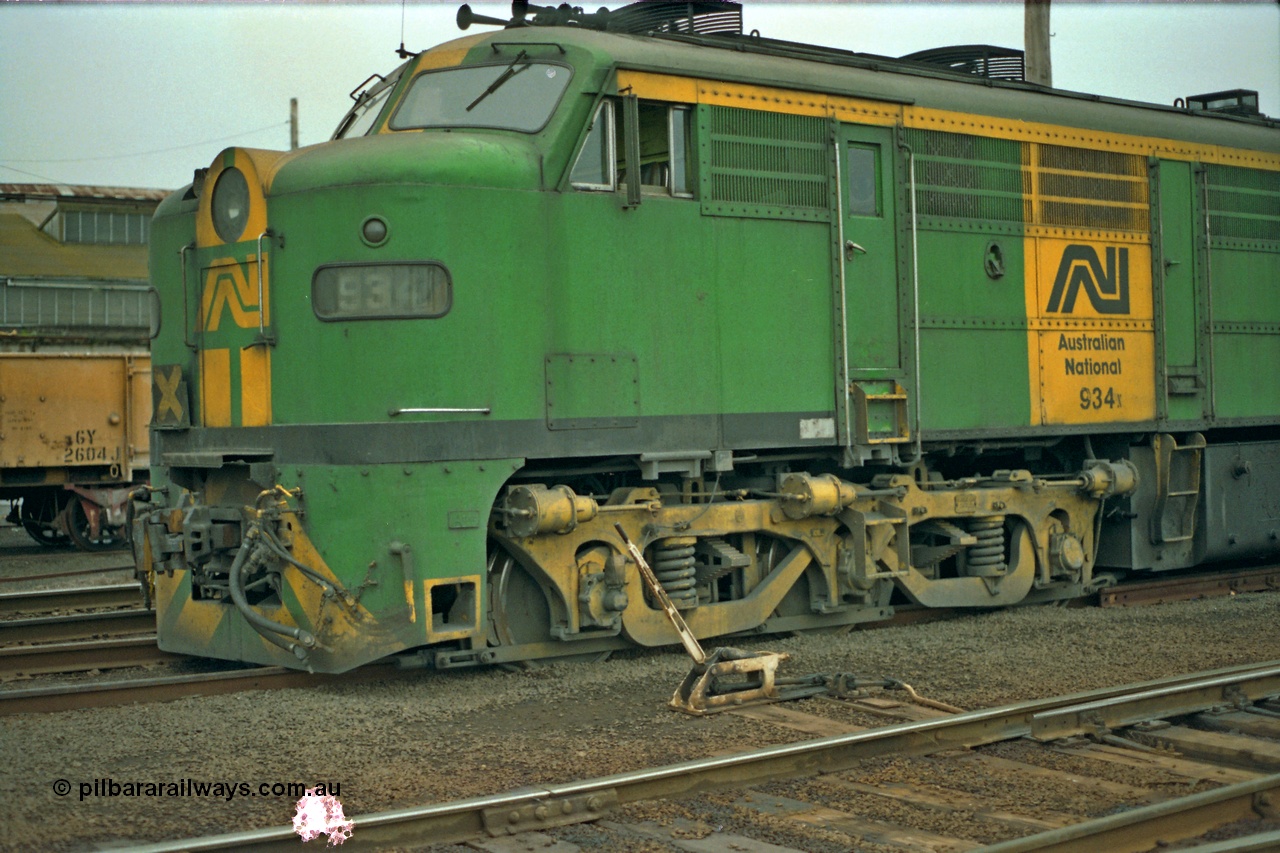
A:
(248, 558)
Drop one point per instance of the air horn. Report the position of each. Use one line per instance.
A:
(543, 15)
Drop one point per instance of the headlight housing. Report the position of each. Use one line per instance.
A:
(230, 205)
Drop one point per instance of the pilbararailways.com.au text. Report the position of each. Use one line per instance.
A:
(227, 790)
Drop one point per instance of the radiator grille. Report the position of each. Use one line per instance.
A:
(1244, 204)
(967, 177)
(765, 164)
(994, 180)
(1083, 188)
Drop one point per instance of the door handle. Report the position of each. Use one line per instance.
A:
(851, 248)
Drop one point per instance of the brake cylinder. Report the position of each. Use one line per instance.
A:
(535, 509)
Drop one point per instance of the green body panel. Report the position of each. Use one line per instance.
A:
(440, 511)
(1245, 381)
(675, 300)
(1246, 333)
(172, 227)
(973, 332)
(402, 160)
(452, 362)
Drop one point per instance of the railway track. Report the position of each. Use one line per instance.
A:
(117, 639)
(79, 626)
(106, 628)
(165, 688)
(66, 573)
(82, 656)
(109, 596)
(1187, 587)
(1190, 743)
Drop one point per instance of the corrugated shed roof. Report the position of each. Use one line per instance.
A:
(25, 251)
(68, 191)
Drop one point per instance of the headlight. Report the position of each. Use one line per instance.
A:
(230, 205)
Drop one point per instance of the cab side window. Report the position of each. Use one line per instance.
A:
(596, 164)
(681, 148)
(655, 140)
(664, 149)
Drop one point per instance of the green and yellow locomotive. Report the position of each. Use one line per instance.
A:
(823, 332)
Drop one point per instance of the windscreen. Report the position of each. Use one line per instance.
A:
(518, 95)
(360, 120)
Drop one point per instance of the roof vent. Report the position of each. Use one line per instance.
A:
(980, 60)
(1238, 102)
(710, 17)
(707, 17)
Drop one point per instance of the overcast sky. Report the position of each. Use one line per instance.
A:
(140, 94)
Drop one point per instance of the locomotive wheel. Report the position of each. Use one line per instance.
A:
(519, 612)
(81, 530)
(517, 606)
(38, 516)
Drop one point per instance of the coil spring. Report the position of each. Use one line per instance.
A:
(987, 557)
(674, 567)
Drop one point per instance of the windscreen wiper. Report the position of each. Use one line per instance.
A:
(502, 78)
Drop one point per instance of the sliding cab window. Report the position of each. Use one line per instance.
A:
(665, 145)
(595, 167)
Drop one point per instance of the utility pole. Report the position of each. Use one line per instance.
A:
(293, 120)
(1039, 67)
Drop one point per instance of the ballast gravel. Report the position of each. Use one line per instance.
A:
(450, 735)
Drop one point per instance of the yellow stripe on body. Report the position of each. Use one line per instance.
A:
(215, 387)
(450, 53)
(926, 118)
(255, 386)
(1087, 366)
(689, 90)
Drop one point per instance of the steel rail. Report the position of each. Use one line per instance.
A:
(1199, 585)
(115, 653)
(540, 807)
(1147, 827)
(82, 626)
(1115, 712)
(1263, 842)
(97, 694)
(74, 598)
(69, 573)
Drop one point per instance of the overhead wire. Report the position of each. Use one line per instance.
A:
(145, 153)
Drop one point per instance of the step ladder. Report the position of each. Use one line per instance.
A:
(1173, 518)
(880, 412)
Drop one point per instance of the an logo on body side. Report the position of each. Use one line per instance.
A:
(1106, 285)
(227, 288)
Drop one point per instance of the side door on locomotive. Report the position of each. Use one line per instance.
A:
(871, 367)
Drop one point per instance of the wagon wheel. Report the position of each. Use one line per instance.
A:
(38, 516)
(80, 527)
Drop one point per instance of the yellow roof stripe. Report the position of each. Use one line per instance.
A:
(670, 87)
